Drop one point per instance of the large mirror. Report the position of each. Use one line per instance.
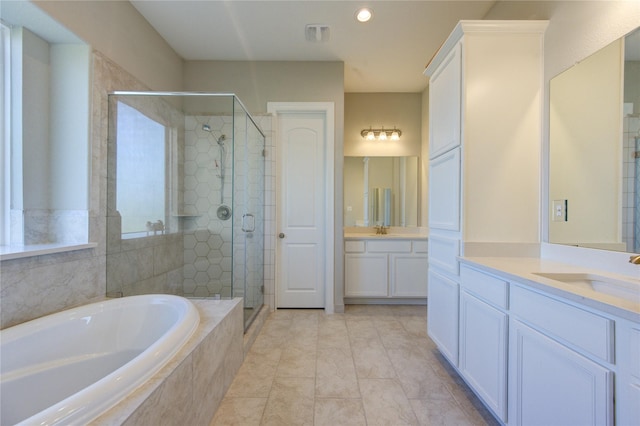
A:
(381, 191)
(594, 165)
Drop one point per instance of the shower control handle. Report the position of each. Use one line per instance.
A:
(281, 235)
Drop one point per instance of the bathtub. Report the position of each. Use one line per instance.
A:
(69, 367)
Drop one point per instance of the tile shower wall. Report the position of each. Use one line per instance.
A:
(207, 239)
(630, 183)
(217, 251)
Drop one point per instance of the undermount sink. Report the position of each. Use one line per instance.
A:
(629, 290)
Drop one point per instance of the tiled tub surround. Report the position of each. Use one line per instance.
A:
(85, 359)
(189, 389)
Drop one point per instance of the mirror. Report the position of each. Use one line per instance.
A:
(594, 165)
(381, 191)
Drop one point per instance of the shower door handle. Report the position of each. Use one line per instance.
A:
(248, 222)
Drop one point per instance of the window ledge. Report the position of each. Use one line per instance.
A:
(21, 251)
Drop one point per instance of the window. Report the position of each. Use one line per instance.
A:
(141, 192)
(44, 131)
(5, 130)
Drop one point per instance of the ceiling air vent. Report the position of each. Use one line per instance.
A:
(317, 33)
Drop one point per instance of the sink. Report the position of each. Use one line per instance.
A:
(629, 290)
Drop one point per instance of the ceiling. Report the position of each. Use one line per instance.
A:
(387, 54)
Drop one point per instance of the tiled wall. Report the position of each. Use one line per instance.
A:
(207, 239)
(270, 226)
(631, 183)
(211, 254)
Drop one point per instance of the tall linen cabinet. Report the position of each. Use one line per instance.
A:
(485, 138)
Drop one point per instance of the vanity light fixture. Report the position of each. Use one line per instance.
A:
(381, 134)
(364, 14)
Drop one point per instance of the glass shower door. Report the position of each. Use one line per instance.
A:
(248, 195)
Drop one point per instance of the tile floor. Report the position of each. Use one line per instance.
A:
(372, 365)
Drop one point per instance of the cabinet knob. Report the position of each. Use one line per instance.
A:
(281, 235)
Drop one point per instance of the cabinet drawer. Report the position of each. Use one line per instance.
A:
(443, 253)
(354, 246)
(585, 330)
(487, 287)
(420, 246)
(389, 246)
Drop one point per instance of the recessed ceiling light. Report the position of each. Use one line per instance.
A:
(364, 15)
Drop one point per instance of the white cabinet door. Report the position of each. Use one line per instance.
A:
(442, 315)
(408, 275)
(366, 275)
(444, 191)
(553, 385)
(483, 351)
(444, 91)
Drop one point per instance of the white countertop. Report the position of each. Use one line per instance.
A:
(522, 269)
(393, 233)
(363, 236)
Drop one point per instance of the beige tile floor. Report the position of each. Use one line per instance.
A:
(372, 365)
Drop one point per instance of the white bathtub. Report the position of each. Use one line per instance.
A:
(69, 367)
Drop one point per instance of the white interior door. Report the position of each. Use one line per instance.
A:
(305, 219)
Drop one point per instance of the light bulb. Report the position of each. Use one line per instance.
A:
(370, 135)
(382, 136)
(364, 15)
(395, 136)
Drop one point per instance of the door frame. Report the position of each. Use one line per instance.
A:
(328, 110)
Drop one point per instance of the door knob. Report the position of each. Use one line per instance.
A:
(281, 235)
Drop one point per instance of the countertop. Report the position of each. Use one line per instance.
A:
(522, 269)
(393, 233)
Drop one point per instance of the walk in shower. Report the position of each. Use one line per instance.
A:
(185, 197)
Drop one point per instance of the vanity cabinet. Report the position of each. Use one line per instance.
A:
(483, 337)
(443, 314)
(535, 358)
(381, 268)
(554, 385)
(560, 362)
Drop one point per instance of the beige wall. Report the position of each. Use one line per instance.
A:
(576, 28)
(116, 29)
(364, 110)
(257, 83)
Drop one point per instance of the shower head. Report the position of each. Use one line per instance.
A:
(222, 137)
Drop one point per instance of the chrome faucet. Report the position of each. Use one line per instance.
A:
(635, 259)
